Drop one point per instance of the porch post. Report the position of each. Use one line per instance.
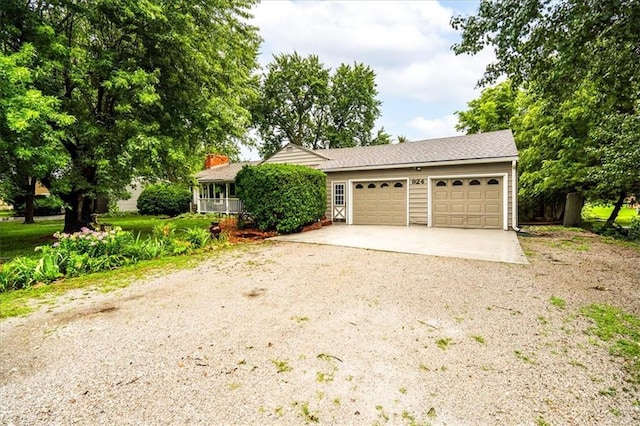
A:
(226, 196)
(196, 196)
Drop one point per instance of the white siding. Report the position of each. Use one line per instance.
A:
(130, 205)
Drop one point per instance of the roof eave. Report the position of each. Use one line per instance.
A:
(423, 164)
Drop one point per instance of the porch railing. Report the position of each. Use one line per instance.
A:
(220, 205)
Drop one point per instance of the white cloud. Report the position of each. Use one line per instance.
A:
(424, 128)
(440, 77)
(407, 43)
(380, 34)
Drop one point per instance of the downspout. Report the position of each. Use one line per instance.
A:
(514, 197)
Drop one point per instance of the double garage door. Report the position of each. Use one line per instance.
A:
(380, 202)
(456, 202)
(467, 203)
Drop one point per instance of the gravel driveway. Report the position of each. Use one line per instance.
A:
(287, 333)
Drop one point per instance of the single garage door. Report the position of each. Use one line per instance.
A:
(467, 203)
(380, 203)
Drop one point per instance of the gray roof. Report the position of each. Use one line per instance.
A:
(481, 146)
(224, 172)
(490, 145)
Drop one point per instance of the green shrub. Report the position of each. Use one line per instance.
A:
(42, 205)
(19, 273)
(198, 237)
(164, 198)
(281, 196)
(164, 231)
(634, 229)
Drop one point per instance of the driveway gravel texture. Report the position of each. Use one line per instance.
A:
(288, 333)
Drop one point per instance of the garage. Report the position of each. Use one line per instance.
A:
(474, 202)
(380, 202)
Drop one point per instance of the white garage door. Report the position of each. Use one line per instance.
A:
(467, 203)
(380, 203)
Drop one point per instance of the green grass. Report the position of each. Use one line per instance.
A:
(594, 213)
(18, 239)
(25, 301)
(558, 302)
(6, 213)
(621, 331)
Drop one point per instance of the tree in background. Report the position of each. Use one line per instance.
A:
(492, 111)
(581, 60)
(301, 102)
(30, 130)
(149, 86)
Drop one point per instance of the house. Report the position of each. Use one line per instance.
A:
(463, 181)
(216, 190)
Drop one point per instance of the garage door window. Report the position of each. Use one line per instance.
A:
(457, 183)
(441, 183)
(474, 182)
(493, 182)
(384, 185)
(359, 186)
(398, 185)
(371, 185)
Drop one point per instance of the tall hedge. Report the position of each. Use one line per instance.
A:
(283, 197)
(164, 198)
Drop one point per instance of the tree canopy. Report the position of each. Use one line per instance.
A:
(580, 60)
(148, 86)
(492, 111)
(302, 102)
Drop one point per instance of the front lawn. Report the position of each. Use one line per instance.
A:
(595, 214)
(18, 239)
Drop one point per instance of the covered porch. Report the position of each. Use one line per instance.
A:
(217, 197)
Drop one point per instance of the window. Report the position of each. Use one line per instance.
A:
(384, 185)
(474, 182)
(441, 183)
(338, 194)
(371, 185)
(232, 190)
(211, 189)
(457, 183)
(493, 182)
(359, 186)
(397, 185)
(219, 191)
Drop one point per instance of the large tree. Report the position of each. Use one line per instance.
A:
(29, 131)
(582, 57)
(492, 111)
(149, 85)
(302, 102)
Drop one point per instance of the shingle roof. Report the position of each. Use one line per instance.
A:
(480, 146)
(224, 172)
(490, 145)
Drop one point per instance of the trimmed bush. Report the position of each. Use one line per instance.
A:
(283, 197)
(164, 198)
(43, 205)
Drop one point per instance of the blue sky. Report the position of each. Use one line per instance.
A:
(421, 82)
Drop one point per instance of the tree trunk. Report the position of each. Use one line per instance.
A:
(573, 209)
(616, 210)
(78, 214)
(29, 198)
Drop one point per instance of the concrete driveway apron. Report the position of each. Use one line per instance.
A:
(478, 244)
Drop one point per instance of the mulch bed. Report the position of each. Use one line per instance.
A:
(254, 235)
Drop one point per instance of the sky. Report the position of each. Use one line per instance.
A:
(421, 82)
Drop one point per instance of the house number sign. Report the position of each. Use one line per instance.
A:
(417, 181)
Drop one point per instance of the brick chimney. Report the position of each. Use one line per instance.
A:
(213, 160)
